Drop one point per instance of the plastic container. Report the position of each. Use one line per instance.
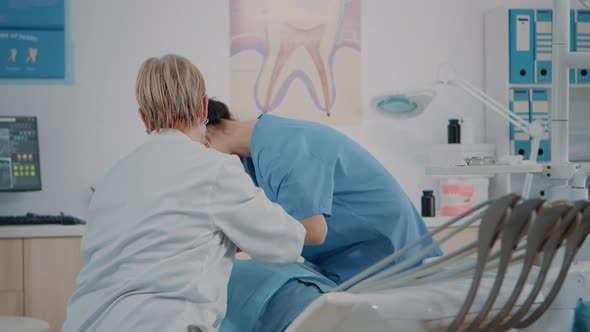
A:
(457, 195)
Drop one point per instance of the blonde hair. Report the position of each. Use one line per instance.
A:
(170, 93)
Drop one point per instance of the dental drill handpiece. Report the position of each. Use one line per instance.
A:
(514, 230)
(489, 229)
(574, 242)
(539, 232)
(549, 250)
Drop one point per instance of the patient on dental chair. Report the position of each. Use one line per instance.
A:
(268, 298)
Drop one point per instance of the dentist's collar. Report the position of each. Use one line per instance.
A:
(169, 134)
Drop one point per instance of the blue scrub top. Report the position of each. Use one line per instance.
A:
(309, 169)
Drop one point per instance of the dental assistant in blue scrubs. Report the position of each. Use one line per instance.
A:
(316, 173)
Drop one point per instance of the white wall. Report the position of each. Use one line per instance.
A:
(88, 125)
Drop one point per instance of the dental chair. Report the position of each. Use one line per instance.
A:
(520, 274)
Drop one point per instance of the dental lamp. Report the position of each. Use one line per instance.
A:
(413, 103)
(404, 105)
(534, 129)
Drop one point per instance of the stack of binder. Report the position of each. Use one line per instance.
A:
(530, 48)
(531, 45)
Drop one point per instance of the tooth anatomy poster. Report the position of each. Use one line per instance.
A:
(296, 58)
(32, 39)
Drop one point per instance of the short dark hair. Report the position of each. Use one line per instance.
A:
(218, 111)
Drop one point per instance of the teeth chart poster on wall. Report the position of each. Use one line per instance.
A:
(32, 39)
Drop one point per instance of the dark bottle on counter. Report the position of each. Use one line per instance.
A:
(454, 131)
(428, 206)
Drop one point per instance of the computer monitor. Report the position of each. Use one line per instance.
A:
(19, 154)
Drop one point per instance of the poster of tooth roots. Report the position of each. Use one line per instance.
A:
(296, 58)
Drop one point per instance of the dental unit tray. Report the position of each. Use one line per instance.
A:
(480, 161)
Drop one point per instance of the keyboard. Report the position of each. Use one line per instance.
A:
(36, 219)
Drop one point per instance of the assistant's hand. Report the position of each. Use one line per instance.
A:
(316, 228)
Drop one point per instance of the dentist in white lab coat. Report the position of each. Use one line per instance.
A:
(165, 223)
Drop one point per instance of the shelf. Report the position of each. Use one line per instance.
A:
(443, 155)
(484, 170)
(490, 148)
(548, 86)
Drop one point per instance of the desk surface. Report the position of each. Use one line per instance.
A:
(15, 232)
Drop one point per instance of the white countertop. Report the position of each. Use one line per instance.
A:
(484, 170)
(37, 231)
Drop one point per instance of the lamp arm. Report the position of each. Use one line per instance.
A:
(492, 104)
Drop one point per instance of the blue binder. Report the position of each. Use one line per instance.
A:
(522, 45)
(573, 42)
(520, 104)
(540, 111)
(543, 45)
(583, 41)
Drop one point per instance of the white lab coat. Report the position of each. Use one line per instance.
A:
(161, 237)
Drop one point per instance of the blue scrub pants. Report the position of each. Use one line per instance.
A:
(286, 305)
